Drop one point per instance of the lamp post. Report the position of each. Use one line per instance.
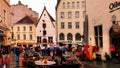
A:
(113, 19)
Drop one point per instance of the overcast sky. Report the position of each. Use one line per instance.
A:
(38, 5)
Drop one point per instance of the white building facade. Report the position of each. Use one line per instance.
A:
(46, 29)
(104, 25)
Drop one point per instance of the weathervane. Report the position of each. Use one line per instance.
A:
(44, 4)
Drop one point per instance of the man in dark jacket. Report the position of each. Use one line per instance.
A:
(17, 54)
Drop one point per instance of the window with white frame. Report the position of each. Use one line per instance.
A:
(68, 4)
(38, 39)
(73, 4)
(18, 36)
(18, 28)
(62, 15)
(24, 28)
(69, 36)
(83, 4)
(77, 14)
(77, 25)
(78, 4)
(24, 36)
(84, 14)
(98, 35)
(63, 4)
(31, 36)
(30, 28)
(62, 25)
(69, 25)
(77, 37)
(61, 36)
(69, 14)
(5, 16)
(50, 39)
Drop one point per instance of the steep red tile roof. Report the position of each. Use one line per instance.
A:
(29, 19)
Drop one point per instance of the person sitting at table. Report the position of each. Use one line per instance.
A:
(55, 59)
(62, 59)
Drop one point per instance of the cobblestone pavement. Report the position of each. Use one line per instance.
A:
(13, 63)
(85, 64)
(100, 64)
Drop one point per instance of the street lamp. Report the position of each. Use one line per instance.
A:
(116, 26)
(113, 19)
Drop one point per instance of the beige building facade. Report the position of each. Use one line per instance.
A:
(104, 25)
(24, 32)
(70, 15)
(46, 29)
(4, 23)
(16, 16)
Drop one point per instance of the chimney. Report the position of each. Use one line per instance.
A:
(19, 2)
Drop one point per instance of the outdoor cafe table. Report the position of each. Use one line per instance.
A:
(45, 65)
(66, 55)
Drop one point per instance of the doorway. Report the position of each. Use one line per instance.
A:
(115, 41)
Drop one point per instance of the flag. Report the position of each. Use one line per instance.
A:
(91, 52)
(86, 48)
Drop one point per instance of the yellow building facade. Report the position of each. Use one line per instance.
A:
(4, 22)
(24, 33)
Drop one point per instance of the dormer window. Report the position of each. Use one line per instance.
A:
(44, 25)
(44, 32)
(25, 21)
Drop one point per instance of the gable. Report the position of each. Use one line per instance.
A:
(27, 20)
(46, 16)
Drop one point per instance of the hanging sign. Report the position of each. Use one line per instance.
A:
(114, 6)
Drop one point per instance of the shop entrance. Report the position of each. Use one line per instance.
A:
(115, 42)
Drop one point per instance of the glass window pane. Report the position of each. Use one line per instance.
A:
(96, 41)
(101, 41)
(62, 15)
(100, 30)
(77, 14)
(69, 14)
(62, 25)
(96, 31)
(69, 25)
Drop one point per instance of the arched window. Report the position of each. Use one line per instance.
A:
(77, 37)
(61, 36)
(44, 40)
(69, 36)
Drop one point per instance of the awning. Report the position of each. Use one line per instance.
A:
(23, 43)
(44, 43)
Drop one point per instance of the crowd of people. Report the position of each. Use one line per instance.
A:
(54, 53)
(4, 57)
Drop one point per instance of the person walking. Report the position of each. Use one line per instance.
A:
(1, 61)
(17, 54)
(5, 61)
